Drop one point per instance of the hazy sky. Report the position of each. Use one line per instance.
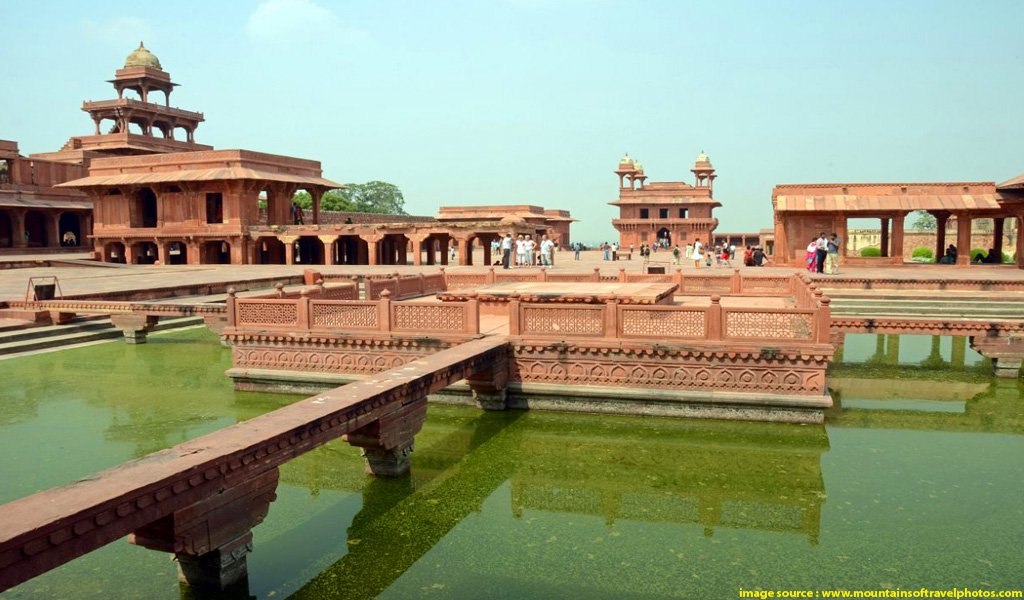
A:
(534, 101)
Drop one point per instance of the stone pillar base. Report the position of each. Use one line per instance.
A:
(388, 463)
(135, 327)
(1007, 367)
(491, 400)
(219, 569)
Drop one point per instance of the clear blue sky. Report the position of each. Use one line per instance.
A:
(534, 101)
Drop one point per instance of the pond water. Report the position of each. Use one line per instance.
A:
(916, 480)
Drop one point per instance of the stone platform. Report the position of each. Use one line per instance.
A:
(494, 298)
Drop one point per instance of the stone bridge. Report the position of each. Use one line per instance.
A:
(200, 499)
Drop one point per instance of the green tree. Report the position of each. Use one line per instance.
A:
(369, 197)
(925, 221)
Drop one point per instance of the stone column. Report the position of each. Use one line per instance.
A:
(161, 251)
(129, 253)
(237, 248)
(940, 235)
(417, 240)
(402, 251)
(211, 538)
(884, 244)
(1020, 242)
(372, 249)
(317, 194)
(289, 248)
(388, 441)
(963, 239)
(18, 229)
(897, 239)
(997, 236)
(54, 234)
(329, 248)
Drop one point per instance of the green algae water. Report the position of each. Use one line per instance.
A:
(915, 481)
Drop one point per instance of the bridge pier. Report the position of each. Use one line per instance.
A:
(134, 326)
(211, 538)
(1006, 352)
(388, 442)
(489, 385)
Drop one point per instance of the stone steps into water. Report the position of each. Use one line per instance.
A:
(930, 308)
(92, 330)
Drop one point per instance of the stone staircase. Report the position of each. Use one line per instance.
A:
(927, 304)
(18, 339)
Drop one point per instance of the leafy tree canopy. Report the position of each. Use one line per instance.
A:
(369, 197)
(924, 222)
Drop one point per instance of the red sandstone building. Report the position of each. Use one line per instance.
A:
(161, 197)
(551, 222)
(35, 216)
(676, 211)
(803, 211)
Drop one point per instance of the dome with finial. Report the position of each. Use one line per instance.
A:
(142, 57)
(626, 160)
(703, 157)
(639, 166)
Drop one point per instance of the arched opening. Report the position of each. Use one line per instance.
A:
(664, 237)
(136, 128)
(70, 223)
(269, 251)
(113, 252)
(144, 253)
(351, 250)
(177, 253)
(436, 248)
(215, 252)
(35, 229)
(309, 250)
(180, 133)
(393, 249)
(6, 230)
(143, 208)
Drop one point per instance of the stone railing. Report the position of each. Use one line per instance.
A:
(333, 291)
(405, 286)
(697, 284)
(672, 323)
(307, 313)
(455, 281)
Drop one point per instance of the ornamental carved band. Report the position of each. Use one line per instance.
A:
(662, 323)
(563, 321)
(748, 373)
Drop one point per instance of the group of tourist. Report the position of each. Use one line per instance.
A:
(524, 251)
(823, 254)
(611, 251)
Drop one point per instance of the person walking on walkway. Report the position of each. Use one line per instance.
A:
(698, 253)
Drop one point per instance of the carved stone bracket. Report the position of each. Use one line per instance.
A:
(388, 441)
(134, 326)
(1006, 352)
(211, 538)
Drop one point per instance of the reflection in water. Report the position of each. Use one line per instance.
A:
(542, 505)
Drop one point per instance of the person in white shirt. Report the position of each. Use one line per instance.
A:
(546, 247)
(698, 253)
(506, 250)
(530, 248)
(520, 251)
